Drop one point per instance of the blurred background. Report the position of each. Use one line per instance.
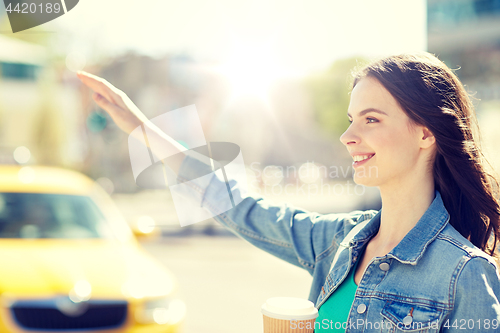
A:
(270, 76)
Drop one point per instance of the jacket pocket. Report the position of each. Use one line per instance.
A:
(408, 317)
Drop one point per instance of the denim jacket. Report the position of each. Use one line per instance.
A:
(434, 280)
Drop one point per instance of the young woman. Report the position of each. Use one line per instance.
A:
(423, 263)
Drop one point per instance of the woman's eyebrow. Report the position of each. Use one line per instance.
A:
(362, 113)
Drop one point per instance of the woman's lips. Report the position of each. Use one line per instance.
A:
(359, 163)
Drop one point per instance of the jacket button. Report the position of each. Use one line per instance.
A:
(384, 266)
(361, 308)
(407, 320)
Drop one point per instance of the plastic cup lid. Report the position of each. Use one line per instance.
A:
(289, 308)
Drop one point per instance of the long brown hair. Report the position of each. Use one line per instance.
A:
(432, 95)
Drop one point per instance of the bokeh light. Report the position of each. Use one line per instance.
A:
(106, 184)
(22, 155)
(272, 175)
(75, 61)
(310, 173)
(146, 224)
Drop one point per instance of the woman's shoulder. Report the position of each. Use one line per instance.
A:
(474, 285)
(464, 250)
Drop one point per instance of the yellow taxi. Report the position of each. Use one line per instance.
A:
(70, 262)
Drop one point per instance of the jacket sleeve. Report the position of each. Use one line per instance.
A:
(290, 233)
(476, 302)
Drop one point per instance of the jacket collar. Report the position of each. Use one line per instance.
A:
(413, 245)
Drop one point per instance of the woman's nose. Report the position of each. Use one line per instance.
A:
(349, 137)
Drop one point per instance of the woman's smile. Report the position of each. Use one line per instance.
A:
(360, 159)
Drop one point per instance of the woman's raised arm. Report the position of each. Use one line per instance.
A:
(295, 235)
(127, 115)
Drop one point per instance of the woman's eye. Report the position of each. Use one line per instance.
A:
(369, 120)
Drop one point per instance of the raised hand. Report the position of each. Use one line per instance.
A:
(127, 116)
(115, 102)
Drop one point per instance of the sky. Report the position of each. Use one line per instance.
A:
(299, 36)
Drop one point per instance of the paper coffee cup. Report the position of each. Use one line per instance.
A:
(289, 314)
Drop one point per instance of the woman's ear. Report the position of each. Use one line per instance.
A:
(427, 138)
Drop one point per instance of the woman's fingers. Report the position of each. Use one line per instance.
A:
(105, 104)
(112, 109)
(125, 119)
(103, 88)
(121, 109)
(94, 82)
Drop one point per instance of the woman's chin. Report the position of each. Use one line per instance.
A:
(366, 176)
(365, 181)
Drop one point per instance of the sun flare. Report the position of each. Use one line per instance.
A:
(251, 70)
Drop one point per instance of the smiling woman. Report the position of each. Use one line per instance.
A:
(424, 262)
(412, 121)
(431, 113)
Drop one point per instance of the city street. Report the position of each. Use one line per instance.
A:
(225, 280)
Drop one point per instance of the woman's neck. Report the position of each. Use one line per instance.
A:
(402, 206)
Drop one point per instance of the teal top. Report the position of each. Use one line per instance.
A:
(333, 314)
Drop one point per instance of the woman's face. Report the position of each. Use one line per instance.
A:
(381, 132)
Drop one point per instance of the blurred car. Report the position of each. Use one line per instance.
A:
(70, 262)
